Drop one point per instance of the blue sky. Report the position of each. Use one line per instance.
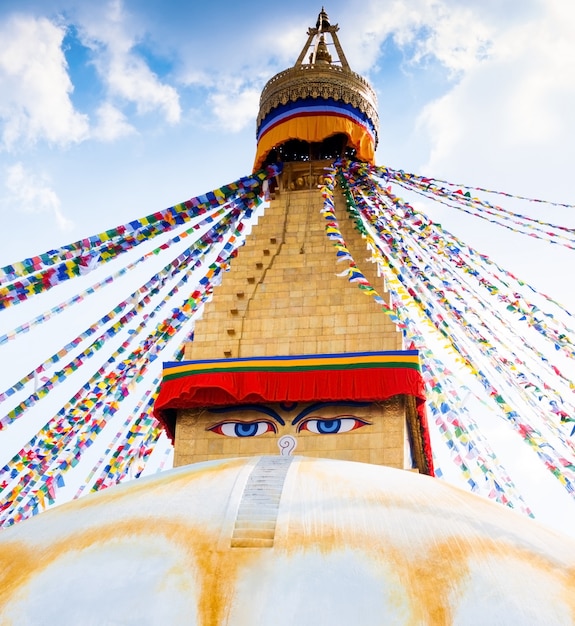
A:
(112, 110)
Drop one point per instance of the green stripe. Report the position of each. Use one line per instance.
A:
(298, 368)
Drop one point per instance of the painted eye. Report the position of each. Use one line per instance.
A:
(243, 429)
(331, 426)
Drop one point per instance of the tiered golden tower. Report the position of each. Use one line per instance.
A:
(283, 304)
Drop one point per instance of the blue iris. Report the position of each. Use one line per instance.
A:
(246, 430)
(326, 427)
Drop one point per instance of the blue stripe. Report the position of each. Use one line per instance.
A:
(350, 355)
(314, 105)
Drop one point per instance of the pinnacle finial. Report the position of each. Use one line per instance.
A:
(322, 21)
(322, 54)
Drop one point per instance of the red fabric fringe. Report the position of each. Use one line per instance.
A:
(228, 388)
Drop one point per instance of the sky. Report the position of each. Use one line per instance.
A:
(112, 110)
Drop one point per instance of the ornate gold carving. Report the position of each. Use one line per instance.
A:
(304, 175)
(313, 81)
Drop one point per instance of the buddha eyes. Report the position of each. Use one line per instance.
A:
(243, 429)
(317, 426)
(331, 426)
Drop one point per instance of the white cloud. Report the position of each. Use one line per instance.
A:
(445, 31)
(130, 78)
(513, 111)
(31, 193)
(458, 38)
(112, 124)
(236, 68)
(34, 85)
(124, 72)
(285, 45)
(429, 31)
(235, 108)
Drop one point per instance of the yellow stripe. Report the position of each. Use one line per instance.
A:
(318, 362)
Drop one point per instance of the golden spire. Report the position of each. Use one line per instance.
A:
(317, 46)
(311, 102)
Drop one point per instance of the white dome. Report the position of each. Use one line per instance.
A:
(284, 541)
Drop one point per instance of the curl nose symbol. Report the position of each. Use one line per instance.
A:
(287, 444)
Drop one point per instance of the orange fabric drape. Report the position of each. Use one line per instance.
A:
(316, 128)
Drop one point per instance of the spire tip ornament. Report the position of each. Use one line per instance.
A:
(322, 21)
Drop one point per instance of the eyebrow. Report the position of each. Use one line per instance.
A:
(321, 405)
(250, 407)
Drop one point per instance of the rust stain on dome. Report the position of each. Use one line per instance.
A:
(342, 520)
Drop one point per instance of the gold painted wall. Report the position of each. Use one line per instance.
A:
(380, 441)
(282, 296)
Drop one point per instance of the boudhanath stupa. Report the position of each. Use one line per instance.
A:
(304, 490)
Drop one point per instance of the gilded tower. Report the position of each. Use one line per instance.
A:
(289, 356)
